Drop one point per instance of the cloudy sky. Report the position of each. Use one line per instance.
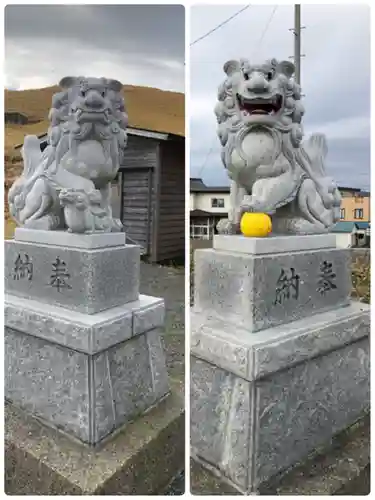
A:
(335, 78)
(137, 44)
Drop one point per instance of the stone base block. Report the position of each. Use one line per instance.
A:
(273, 243)
(261, 291)
(70, 240)
(85, 374)
(260, 403)
(140, 460)
(79, 279)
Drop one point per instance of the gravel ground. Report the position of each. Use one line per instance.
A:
(169, 284)
(177, 487)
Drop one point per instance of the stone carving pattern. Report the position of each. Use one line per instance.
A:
(68, 185)
(259, 114)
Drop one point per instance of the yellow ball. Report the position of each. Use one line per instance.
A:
(255, 225)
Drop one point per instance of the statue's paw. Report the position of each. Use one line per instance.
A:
(47, 223)
(251, 204)
(116, 226)
(95, 197)
(247, 204)
(224, 226)
(19, 201)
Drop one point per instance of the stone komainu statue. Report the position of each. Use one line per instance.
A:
(68, 186)
(259, 114)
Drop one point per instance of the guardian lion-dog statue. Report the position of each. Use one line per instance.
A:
(68, 185)
(259, 114)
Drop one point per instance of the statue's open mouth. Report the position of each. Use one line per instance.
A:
(83, 114)
(260, 106)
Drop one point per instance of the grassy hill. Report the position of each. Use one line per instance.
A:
(148, 108)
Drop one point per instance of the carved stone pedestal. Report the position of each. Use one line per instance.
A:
(280, 355)
(82, 347)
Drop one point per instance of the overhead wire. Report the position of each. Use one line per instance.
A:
(197, 40)
(255, 50)
(220, 25)
(207, 156)
(258, 45)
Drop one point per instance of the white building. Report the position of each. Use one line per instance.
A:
(207, 206)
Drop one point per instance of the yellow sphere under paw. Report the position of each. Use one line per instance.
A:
(255, 225)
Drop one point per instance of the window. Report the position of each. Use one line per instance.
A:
(199, 232)
(358, 213)
(217, 202)
(342, 213)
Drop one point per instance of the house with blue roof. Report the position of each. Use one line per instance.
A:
(352, 234)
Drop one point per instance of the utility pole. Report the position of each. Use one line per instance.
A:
(297, 43)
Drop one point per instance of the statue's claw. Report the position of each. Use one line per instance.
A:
(225, 226)
(252, 204)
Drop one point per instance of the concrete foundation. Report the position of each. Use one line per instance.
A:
(340, 468)
(273, 380)
(138, 460)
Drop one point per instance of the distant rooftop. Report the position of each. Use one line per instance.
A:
(350, 226)
(198, 186)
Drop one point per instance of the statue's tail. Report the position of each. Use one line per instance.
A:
(31, 154)
(315, 150)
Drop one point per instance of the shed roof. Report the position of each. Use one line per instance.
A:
(13, 112)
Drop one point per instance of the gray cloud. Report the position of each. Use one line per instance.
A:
(138, 44)
(335, 78)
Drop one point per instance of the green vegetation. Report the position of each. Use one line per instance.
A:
(361, 278)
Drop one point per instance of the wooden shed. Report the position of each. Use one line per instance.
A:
(148, 194)
(15, 118)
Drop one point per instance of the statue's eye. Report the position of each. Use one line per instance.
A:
(269, 75)
(103, 93)
(246, 76)
(83, 93)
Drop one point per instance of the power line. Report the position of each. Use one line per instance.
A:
(203, 166)
(265, 30)
(220, 25)
(258, 46)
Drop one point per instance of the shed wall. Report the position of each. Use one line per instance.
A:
(138, 193)
(171, 202)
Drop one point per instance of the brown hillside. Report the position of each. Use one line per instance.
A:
(148, 108)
